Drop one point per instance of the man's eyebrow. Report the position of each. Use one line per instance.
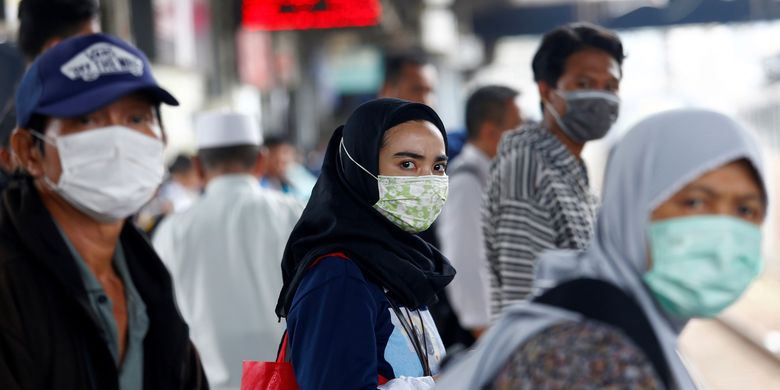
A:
(442, 157)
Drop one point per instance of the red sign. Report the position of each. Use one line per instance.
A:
(309, 14)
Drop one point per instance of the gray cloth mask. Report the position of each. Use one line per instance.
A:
(589, 114)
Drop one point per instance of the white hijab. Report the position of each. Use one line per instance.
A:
(657, 158)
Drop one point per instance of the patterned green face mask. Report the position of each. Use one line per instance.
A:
(410, 202)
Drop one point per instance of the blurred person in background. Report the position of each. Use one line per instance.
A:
(178, 192)
(409, 75)
(678, 237)
(183, 186)
(315, 157)
(85, 301)
(490, 112)
(224, 251)
(45, 23)
(357, 281)
(538, 196)
(42, 24)
(283, 172)
(280, 156)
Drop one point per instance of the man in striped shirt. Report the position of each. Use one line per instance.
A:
(538, 197)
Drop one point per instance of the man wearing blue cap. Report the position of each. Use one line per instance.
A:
(85, 301)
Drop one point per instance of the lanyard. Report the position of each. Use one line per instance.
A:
(406, 323)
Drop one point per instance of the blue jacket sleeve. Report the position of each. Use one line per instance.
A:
(331, 328)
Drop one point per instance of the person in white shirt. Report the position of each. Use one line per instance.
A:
(224, 252)
(490, 111)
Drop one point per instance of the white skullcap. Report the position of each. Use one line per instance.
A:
(222, 129)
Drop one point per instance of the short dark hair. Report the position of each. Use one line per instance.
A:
(41, 20)
(396, 61)
(181, 164)
(559, 44)
(273, 141)
(244, 156)
(488, 103)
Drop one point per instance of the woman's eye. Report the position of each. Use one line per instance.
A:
(747, 211)
(85, 120)
(693, 204)
(407, 165)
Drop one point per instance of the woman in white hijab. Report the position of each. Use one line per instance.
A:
(678, 237)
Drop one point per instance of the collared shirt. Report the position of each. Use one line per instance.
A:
(537, 199)
(131, 367)
(223, 254)
(460, 233)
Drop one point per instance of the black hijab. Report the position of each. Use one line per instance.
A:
(340, 218)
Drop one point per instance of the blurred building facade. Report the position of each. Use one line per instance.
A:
(261, 58)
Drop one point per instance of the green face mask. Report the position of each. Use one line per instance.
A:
(410, 202)
(702, 264)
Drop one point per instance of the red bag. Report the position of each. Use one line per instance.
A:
(276, 375)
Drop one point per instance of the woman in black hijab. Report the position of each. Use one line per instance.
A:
(356, 278)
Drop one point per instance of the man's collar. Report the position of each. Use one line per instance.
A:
(557, 154)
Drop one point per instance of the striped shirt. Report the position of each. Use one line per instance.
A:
(537, 199)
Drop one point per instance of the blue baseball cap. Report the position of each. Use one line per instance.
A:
(82, 74)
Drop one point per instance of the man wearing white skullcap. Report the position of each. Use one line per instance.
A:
(224, 252)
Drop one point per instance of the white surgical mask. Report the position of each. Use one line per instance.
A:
(410, 202)
(107, 173)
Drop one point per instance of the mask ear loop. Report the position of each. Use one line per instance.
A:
(341, 146)
(53, 186)
(555, 114)
(44, 138)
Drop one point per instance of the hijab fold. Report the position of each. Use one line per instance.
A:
(340, 218)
